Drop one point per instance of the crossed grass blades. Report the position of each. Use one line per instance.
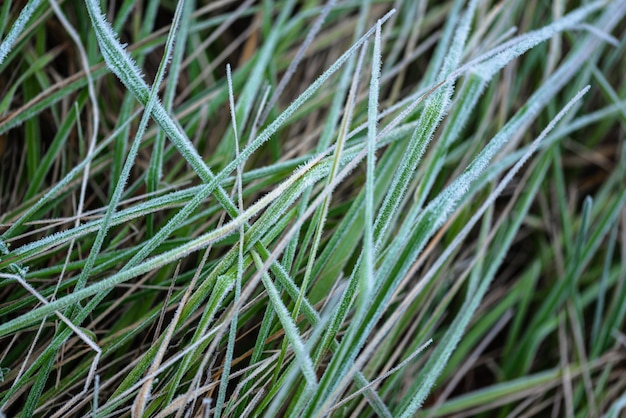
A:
(281, 208)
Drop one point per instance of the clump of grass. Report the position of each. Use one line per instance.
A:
(286, 208)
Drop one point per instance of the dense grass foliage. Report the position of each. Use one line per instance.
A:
(312, 208)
